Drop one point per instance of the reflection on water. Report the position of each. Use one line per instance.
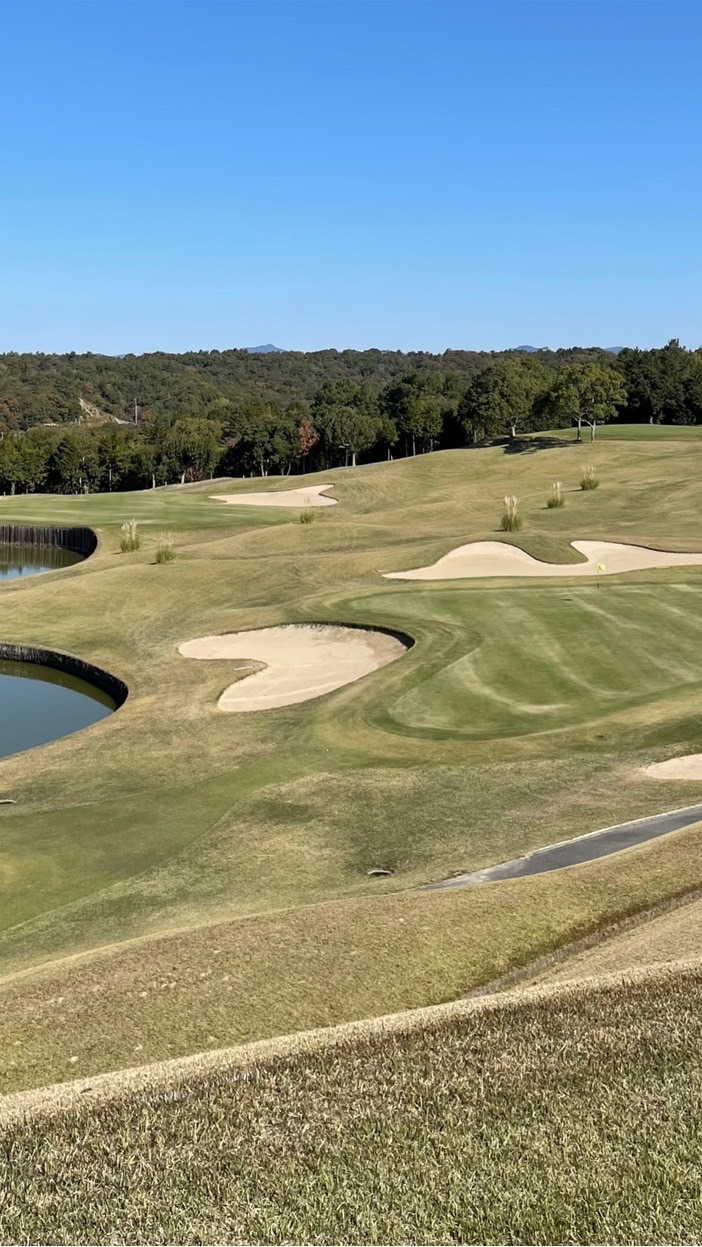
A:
(28, 560)
(38, 704)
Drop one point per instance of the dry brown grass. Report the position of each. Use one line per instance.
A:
(666, 938)
(559, 1116)
(273, 974)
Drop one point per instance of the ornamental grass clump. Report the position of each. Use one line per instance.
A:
(165, 552)
(555, 496)
(589, 480)
(129, 539)
(307, 516)
(511, 520)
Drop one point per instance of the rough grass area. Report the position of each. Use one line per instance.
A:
(570, 1117)
(670, 937)
(522, 715)
(272, 974)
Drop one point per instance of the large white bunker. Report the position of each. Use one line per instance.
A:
(306, 496)
(499, 558)
(302, 661)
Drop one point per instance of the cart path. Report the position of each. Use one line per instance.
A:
(585, 848)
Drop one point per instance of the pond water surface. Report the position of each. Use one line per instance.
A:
(39, 704)
(28, 560)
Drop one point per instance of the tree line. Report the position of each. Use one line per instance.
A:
(65, 426)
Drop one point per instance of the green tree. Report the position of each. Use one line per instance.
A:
(416, 405)
(355, 430)
(663, 386)
(73, 464)
(10, 464)
(503, 399)
(191, 449)
(347, 418)
(114, 456)
(585, 394)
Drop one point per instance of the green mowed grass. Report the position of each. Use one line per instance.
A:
(631, 432)
(537, 660)
(299, 813)
(522, 715)
(570, 1117)
(178, 508)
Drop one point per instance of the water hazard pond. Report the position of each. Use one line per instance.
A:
(39, 704)
(19, 560)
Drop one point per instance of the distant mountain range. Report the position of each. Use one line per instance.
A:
(269, 349)
(531, 350)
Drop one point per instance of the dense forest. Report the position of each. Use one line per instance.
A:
(79, 423)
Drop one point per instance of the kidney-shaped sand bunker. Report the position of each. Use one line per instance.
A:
(302, 661)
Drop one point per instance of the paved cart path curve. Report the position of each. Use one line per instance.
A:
(585, 848)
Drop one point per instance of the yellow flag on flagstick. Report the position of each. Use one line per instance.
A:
(602, 567)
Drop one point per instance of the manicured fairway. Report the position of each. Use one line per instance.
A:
(522, 715)
(632, 432)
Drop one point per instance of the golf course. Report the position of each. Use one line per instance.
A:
(351, 624)
(240, 853)
(177, 878)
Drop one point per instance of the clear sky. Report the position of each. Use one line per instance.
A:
(183, 175)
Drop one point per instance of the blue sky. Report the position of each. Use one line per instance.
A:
(403, 175)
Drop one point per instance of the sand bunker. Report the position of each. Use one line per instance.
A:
(497, 558)
(308, 496)
(302, 661)
(687, 767)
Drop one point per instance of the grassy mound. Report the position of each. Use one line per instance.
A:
(566, 1117)
(175, 879)
(668, 937)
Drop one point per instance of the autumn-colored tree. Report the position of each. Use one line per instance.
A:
(307, 437)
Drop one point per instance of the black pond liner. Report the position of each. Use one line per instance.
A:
(81, 541)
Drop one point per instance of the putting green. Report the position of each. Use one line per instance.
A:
(539, 660)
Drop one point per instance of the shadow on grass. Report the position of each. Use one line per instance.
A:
(529, 445)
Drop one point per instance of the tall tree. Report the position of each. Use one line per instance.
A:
(585, 394)
(306, 436)
(348, 421)
(416, 405)
(191, 449)
(10, 464)
(114, 456)
(502, 399)
(663, 386)
(73, 464)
